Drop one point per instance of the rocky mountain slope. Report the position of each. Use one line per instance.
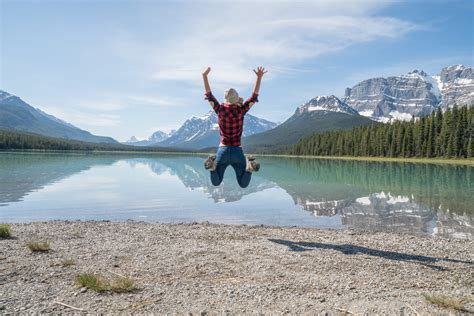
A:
(413, 94)
(18, 115)
(317, 115)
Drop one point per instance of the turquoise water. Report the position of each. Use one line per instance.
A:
(401, 197)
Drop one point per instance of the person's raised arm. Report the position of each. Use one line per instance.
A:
(254, 98)
(259, 72)
(209, 97)
(207, 87)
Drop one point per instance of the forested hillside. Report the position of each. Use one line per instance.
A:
(448, 134)
(27, 141)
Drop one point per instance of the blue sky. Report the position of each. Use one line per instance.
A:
(123, 68)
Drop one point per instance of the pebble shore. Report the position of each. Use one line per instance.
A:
(203, 268)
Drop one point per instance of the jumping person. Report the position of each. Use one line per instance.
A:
(231, 121)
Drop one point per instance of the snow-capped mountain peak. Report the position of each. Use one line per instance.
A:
(202, 117)
(416, 73)
(456, 85)
(434, 84)
(156, 137)
(203, 131)
(327, 104)
(457, 67)
(132, 139)
(413, 94)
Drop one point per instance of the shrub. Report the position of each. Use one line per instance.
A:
(4, 231)
(97, 283)
(36, 246)
(446, 301)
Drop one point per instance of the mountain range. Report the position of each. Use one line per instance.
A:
(200, 132)
(373, 100)
(18, 115)
(156, 137)
(317, 115)
(412, 94)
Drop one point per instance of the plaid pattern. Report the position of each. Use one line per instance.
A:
(231, 118)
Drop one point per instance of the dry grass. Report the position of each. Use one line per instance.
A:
(5, 231)
(449, 302)
(99, 284)
(68, 262)
(38, 246)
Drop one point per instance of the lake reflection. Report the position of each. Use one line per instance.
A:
(408, 198)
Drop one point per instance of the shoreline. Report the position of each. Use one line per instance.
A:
(465, 161)
(217, 268)
(441, 161)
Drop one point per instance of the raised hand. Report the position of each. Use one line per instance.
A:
(207, 71)
(207, 87)
(260, 71)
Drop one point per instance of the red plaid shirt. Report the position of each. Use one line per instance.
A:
(231, 118)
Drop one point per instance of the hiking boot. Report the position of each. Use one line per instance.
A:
(210, 163)
(252, 164)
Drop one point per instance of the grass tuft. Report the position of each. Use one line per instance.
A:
(91, 281)
(446, 301)
(36, 246)
(97, 283)
(5, 231)
(123, 285)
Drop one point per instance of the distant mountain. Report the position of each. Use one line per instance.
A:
(456, 84)
(159, 136)
(202, 132)
(413, 94)
(16, 114)
(156, 137)
(132, 140)
(326, 104)
(317, 115)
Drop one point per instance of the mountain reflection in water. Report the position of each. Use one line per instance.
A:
(401, 197)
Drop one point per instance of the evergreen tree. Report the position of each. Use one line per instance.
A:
(439, 134)
(470, 148)
(430, 148)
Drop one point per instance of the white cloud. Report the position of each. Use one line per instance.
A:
(84, 119)
(113, 102)
(238, 36)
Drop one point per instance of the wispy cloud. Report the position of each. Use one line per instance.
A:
(84, 119)
(112, 103)
(234, 38)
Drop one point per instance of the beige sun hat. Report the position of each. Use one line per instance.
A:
(231, 96)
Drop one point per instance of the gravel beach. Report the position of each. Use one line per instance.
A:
(232, 269)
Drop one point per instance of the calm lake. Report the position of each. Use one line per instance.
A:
(401, 197)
